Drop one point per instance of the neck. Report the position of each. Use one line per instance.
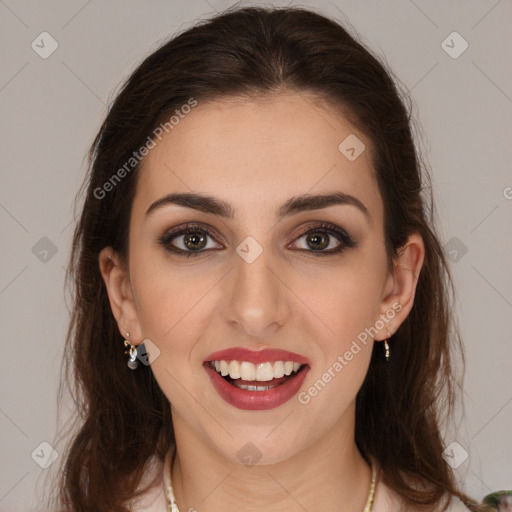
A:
(329, 474)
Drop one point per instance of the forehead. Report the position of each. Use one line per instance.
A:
(258, 152)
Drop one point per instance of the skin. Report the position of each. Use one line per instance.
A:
(256, 154)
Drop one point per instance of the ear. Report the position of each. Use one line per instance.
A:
(120, 294)
(400, 286)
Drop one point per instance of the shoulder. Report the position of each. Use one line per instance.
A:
(387, 500)
(154, 499)
(457, 506)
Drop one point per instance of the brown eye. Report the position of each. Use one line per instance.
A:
(325, 239)
(194, 241)
(317, 241)
(188, 240)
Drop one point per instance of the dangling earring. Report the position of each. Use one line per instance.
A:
(386, 347)
(132, 351)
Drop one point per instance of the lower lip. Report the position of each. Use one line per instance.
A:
(256, 400)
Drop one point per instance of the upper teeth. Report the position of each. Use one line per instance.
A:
(261, 371)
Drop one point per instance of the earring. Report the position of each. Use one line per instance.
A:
(386, 347)
(132, 351)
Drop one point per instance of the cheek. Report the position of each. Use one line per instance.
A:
(173, 308)
(345, 297)
(346, 302)
(170, 303)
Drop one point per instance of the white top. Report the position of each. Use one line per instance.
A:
(155, 500)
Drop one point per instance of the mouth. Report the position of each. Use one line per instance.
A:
(256, 377)
(256, 380)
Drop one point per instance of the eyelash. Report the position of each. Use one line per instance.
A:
(343, 237)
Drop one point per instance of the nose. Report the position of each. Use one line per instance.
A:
(257, 300)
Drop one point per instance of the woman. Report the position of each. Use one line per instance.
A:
(262, 309)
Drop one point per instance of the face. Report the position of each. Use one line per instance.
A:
(260, 266)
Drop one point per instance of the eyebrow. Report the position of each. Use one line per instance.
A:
(294, 205)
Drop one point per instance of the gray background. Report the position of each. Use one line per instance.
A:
(51, 109)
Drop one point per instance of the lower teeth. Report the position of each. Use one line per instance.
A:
(251, 388)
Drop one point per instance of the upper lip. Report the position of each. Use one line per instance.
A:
(256, 356)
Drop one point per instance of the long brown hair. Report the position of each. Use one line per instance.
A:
(123, 417)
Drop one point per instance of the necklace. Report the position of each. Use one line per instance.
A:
(171, 500)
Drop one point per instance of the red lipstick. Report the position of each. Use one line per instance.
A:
(285, 387)
(256, 356)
